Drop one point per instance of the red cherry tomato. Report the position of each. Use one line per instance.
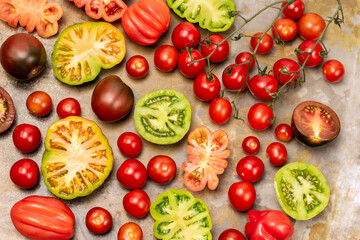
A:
(260, 86)
(137, 203)
(220, 110)
(193, 70)
(311, 25)
(333, 71)
(130, 144)
(206, 89)
(137, 66)
(265, 45)
(130, 231)
(231, 234)
(286, 64)
(294, 11)
(242, 196)
(286, 28)
(39, 103)
(98, 220)
(251, 145)
(284, 132)
(165, 58)
(260, 116)
(132, 174)
(233, 77)
(185, 35)
(24, 173)
(26, 138)
(250, 169)
(161, 169)
(315, 58)
(277, 153)
(244, 57)
(208, 46)
(68, 107)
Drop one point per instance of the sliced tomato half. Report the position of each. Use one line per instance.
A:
(207, 158)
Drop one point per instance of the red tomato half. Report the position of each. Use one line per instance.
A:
(185, 34)
(286, 65)
(98, 220)
(333, 71)
(233, 77)
(193, 70)
(26, 138)
(244, 57)
(161, 169)
(24, 173)
(315, 58)
(265, 45)
(165, 58)
(206, 89)
(242, 196)
(260, 116)
(294, 11)
(208, 46)
(137, 203)
(311, 25)
(260, 86)
(286, 28)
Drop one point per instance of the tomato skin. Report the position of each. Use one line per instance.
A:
(294, 11)
(98, 220)
(220, 110)
(185, 34)
(165, 58)
(24, 173)
(39, 103)
(205, 89)
(236, 80)
(265, 45)
(286, 28)
(315, 59)
(289, 65)
(284, 132)
(132, 174)
(137, 66)
(277, 154)
(68, 107)
(130, 231)
(311, 25)
(251, 145)
(231, 234)
(193, 70)
(130, 144)
(333, 71)
(250, 169)
(260, 116)
(244, 57)
(161, 169)
(220, 53)
(260, 85)
(137, 203)
(242, 196)
(26, 138)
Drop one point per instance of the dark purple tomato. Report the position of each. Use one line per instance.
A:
(7, 110)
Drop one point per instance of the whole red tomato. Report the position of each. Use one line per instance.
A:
(333, 71)
(294, 11)
(284, 132)
(137, 203)
(130, 144)
(206, 88)
(286, 65)
(220, 110)
(231, 234)
(130, 231)
(132, 174)
(265, 45)
(242, 196)
(277, 153)
(165, 58)
(137, 66)
(311, 25)
(98, 220)
(260, 86)
(285, 28)
(68, 107)
(315, 58)
(251, 145)
(24, 173)
(39, 103)
(26, 138)
(208, 46)
(161, 169)
(233, 77)
(260, 116)
(193, 70)
(250, 169)
(244, 57)
(185, 34)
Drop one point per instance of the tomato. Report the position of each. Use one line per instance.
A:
(231, 234)
(38, 217)
(137, 203)
(39, 103)
(311, 25)
(7, 110)
(265, 45)
(165, 58)
(137, 66)
(130, 231)
(26, 138)
(333, 71)
(207, 158)
(294, 11)
(206, 89)
(22, 56)
(244, 57)
(184, 35)
(286, 28)
(24, 173)
(284, 132)
(286, 65)
(68, 107)
(193, 70)
(233, 77)
(277, 153)
(268, 224)
(132, 174)
(112, 99)
(161, 169)
(145, 21)
(208, 46)
(130, 144)
(260, 86)
(220, 110)
(250, 169)
(242, 196)
(251, 145)
(315, 58)
(260, 116)
(98, 220)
